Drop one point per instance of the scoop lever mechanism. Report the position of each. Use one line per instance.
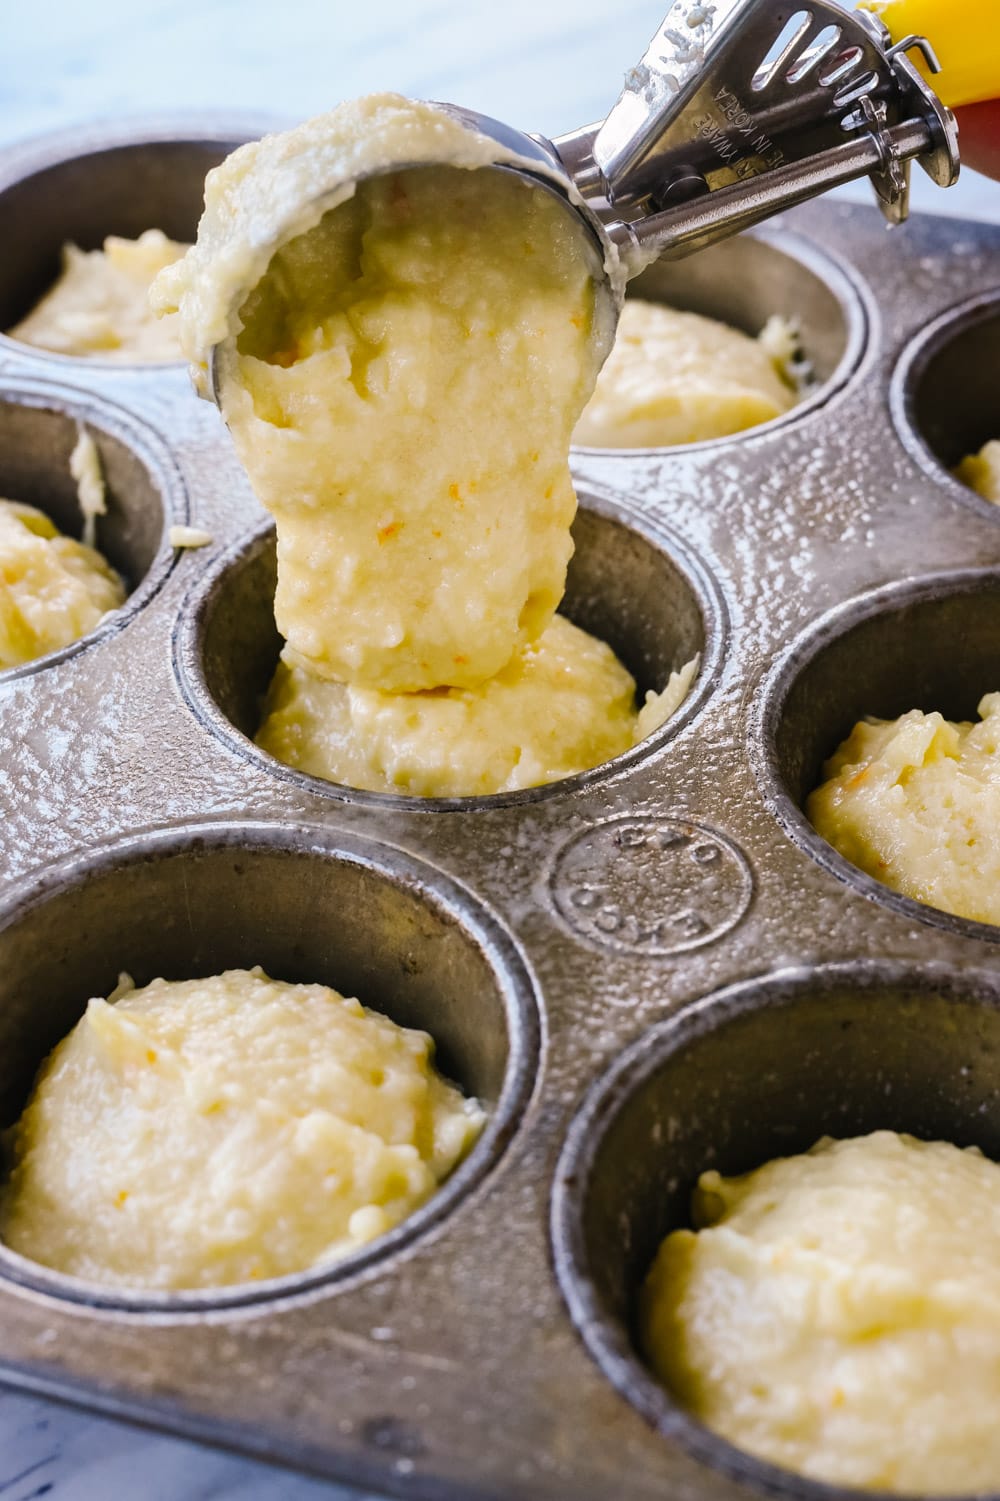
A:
(742, 108)
(738, 110)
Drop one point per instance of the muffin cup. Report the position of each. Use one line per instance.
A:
(186, 903)
(760, 1070)
(629, 583)
(929, 645)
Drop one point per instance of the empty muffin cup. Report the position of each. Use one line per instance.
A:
(629, 584)
(308, 906)
(761, 1070)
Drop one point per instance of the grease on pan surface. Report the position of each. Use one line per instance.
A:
(837, 1314)
(207, 1132)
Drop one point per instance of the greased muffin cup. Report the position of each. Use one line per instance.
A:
(759, 1070)
(650, 967)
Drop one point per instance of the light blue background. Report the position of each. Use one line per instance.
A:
(544, 65)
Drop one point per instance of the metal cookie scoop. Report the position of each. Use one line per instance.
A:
(742, 108)
(738, 110)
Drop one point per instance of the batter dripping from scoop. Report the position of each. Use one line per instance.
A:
(402, 385)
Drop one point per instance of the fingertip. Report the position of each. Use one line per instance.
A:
(979, 136)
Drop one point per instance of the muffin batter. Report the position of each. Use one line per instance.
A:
(100, 304)
(53, 589)
(85, 467)
(403, 387)
(206, 1132)
(916, 803)
(837, 1314)
(560, 706)
(679, 378)
(981, 472)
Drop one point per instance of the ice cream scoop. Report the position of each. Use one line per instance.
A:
(738, 110)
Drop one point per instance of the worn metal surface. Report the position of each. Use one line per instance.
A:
(542, 933)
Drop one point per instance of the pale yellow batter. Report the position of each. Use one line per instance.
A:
(402, 385)
(403, 388)
(85, 467)
(677, 377)
(838, 1314)
(53, 589)
(562, 705)
(100, 304)
(205, 1132)
(981, 472)
(915, 802)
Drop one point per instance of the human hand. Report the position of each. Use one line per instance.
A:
(979, 142)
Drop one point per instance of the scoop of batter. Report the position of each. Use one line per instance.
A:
(680, 378)
(562, 705)
(915, 802)
(100, 304)
(402, 388)
(981, 472)
(53, 589)
(204, 1132)
(838, 1314)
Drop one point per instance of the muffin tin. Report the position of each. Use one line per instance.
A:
(645, 970)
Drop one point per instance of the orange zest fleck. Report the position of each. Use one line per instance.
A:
(386, 533)
(150, 1055)
(120, 1197)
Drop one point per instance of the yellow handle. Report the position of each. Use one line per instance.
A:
(965, 34)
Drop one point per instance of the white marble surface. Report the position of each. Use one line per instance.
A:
(544, 66)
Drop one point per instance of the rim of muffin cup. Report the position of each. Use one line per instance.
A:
(942, 368)
(685, 616)
(623, 1176)
(146, 494)
(798, 721)
(464, 946)
(52, 180)
(830, 277)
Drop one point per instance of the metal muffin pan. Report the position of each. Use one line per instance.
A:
(647, 969)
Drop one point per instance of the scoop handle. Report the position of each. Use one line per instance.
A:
(965, 35)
